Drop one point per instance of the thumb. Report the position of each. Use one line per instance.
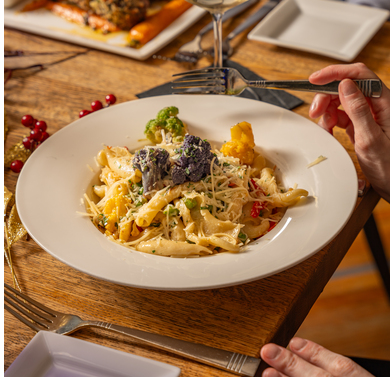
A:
(359, 111)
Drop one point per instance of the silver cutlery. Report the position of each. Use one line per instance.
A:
(229, 81)
(251, 20)
(40, 317)
(192, 51)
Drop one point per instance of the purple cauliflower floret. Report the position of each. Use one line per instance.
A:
(194, 161)
(154, 165)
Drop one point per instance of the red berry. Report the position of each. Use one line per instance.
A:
(27, 142)
(36, 134)
(16, 166)
(41, 125)
(27, 120)
(45, 135)
(83, 113)
(96, 105)
(110, 99)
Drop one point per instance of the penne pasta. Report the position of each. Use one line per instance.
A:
(182, 199)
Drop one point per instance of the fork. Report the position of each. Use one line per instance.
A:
(40, 317)
(192, 51)
(229, 81)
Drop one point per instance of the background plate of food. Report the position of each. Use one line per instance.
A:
(138, 198)
(133, 28)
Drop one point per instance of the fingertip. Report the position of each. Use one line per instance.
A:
(297, 344)
(315, 74)
(320, 104)
(271, 372)
(270, 351)
(313, 108)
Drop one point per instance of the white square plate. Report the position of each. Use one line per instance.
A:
(332, 28)
(52, 355)
(45, 23)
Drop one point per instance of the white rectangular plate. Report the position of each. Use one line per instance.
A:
(332, 28)
(47, 24)
(52, 355)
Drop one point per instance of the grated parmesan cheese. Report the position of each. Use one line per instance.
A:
(317, 161)
(89, 167)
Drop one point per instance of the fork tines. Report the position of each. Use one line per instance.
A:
(29, 311)
(200, 81)
(216, 72)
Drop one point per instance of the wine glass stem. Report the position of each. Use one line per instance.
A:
(218, 58)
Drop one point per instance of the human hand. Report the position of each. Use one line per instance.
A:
(306, 359)
(366, 120)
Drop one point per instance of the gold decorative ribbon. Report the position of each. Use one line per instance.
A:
(17, 152)
(13, 229)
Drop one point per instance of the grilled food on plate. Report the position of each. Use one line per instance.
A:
(144, 19)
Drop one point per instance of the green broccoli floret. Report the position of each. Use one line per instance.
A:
(168, 121)
(167, 112)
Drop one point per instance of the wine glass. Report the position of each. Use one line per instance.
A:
(217, 8)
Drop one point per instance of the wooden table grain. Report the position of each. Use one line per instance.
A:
(241, 318)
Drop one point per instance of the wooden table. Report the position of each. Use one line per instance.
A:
(241, 318)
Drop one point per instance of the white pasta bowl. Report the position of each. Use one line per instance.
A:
(56, 176)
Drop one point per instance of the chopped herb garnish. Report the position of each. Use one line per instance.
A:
(242, 237)
(139, 202)
(171, 211)
(190, 203)
(103, 221)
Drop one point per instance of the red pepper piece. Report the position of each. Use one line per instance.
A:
(257, 208)
(272, 226)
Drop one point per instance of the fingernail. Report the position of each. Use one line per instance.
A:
(348, 87)
(314, 74)
(298, 343)
(313, 105)
(272, 351)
